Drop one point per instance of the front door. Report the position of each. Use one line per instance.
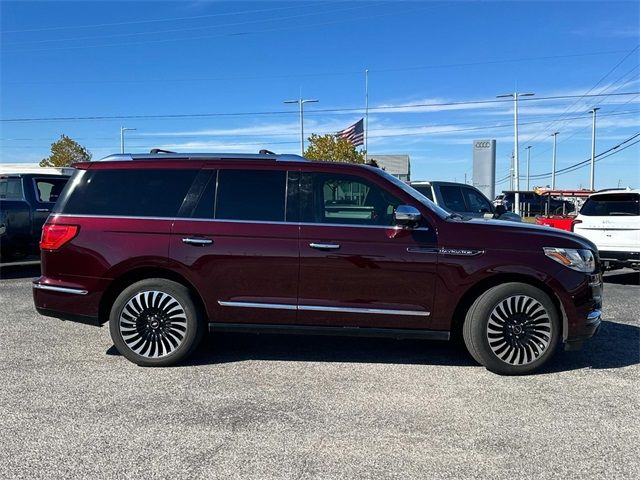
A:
(356, 268)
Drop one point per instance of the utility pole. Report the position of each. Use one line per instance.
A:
(528, 165)
(511, 173)
(366, 111)
(301, 102)
(592, 183)
(553, 162)
(122, 130)
(515, 96)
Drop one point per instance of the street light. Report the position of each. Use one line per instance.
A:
(528, 163)
(553, 161)
(593, 149)
(515, 97)
(122, 130)
(301, 102)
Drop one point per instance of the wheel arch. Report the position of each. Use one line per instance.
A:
(479, 288)
(142, 273)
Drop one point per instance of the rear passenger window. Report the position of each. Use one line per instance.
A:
(251, 195)
(11, 188)
(137, 193)
(49, 189)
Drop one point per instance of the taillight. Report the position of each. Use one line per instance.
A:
(573, 224)
(55, 236)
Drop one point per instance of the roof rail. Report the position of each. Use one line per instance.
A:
(158, 154)
(159, 150)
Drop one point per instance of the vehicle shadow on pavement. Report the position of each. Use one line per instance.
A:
(616, 345)
(236, 347)
(626, 278)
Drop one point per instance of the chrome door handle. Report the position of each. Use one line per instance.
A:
(325, 246)
(42, 209)
(197, 241)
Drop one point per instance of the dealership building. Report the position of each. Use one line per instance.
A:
(397, 165)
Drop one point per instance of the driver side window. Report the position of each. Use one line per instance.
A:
(345, 199)
(476, 202)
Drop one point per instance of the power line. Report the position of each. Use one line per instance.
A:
(303, 74)
(570, 107)
(139, 22)
(288, 112)
(188, 29)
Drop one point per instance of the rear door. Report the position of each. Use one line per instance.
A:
(237, 247)
(356, 269)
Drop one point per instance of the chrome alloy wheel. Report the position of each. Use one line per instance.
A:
(519, 330)
(153, 324)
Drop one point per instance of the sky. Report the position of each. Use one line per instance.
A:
(213, 76)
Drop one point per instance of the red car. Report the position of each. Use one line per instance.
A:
(164, 246)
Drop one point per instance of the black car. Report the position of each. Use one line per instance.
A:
(25, 203)
(463, 199)
(533, 204)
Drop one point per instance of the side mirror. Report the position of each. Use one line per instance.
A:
(406, 216)
(500, 210)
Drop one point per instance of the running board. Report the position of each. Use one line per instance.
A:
(337, 331)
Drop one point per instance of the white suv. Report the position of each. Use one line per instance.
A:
(611, 220)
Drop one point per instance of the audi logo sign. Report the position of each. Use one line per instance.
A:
(484, 144)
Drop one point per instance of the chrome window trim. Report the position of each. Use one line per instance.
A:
(73, 291)
(189, 219)
(319, 308)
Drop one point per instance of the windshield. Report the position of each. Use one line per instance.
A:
(414, 193)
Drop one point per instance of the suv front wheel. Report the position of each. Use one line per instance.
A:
(512, 329)
(155, 323)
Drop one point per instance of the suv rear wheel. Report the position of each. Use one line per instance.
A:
(512, 329)
(155, 322)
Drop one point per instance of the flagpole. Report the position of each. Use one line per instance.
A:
(366, 111)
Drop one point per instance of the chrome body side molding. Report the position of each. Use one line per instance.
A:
(320, 308)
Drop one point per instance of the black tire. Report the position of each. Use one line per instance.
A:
(155, 323)
(512, 329)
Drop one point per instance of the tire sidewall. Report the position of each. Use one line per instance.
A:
(177, 291)
(480, 318)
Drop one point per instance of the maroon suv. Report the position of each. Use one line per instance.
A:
(164, 245)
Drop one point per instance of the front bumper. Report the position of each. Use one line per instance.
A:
(609, 258)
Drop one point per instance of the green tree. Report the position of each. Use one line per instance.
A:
(64, 152)
(333, 149)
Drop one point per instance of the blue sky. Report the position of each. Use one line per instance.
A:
(88, 59)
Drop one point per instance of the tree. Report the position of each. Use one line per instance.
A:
(64, 152)
(333, 149)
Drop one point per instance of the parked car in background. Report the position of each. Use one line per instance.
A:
(534, 204)
(164, 246)
(463, 199)
(25, 203)
(611, 220)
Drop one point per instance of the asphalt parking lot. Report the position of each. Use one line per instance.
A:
(312, 407)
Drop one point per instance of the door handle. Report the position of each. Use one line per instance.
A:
(325, 246)
(197, 241)
(42, 209)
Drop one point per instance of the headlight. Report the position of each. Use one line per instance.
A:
(580, 260)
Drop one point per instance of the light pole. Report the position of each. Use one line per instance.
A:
(122, 130)
(301, 102)
(593, 149)
(515, 96)
(553, 161)
(528, 164)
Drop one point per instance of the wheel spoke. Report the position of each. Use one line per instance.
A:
(153, 324)
(519, 330)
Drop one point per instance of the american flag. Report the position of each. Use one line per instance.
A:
(354, 133)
